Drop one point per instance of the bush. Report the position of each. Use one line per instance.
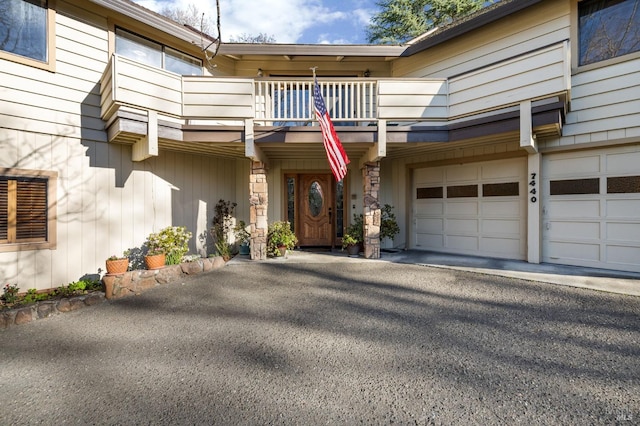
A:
(172, 240)
(280, 234)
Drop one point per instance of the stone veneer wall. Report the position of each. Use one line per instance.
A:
(259, 202)
(116, 286)
(371, 212)
(132, 282)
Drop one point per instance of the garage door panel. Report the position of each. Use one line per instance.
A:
(626, 162)
(501, 246)
(619, 231)
(502, 208)
(622, 209)
(428, 176)
(462, 226)
(573, 209)
(435, 241)
(491, 227)
(574, 251)
(574, 230)
(463, 243)
(462, 208)
(579, 166)
(503, 171)
(468, 173)
(431, 208)
(429, 225)
(624, 256)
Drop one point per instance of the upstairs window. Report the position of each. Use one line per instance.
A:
(148, 52)
(26, 32)
(608, 29)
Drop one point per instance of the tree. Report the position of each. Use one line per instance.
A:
(402, 20)
(249, 38)
(190, 15)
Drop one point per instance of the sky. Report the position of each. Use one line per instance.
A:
(288, 21)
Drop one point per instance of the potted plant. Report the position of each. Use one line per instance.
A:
(280, 238)
(388, 225)
(167, 246)
(242, 237)
(117, 265)
(353, 236)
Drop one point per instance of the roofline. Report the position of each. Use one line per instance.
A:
(464, 26)
(369, 50)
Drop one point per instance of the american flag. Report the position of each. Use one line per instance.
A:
(338, 159)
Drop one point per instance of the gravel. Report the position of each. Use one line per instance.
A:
(346, 343)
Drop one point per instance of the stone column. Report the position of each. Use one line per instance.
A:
(258, 201)
(371, 211)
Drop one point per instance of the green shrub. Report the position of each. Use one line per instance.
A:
(172, 240)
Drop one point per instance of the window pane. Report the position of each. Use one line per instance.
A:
(426, 193)
(23, 28)
(139, 49)
(291, 190)
(623, 185)
(339, 208)
(500, 189)
(462, 191)
(575, 186)
(608, 28)
(182, 64)
(316, 199)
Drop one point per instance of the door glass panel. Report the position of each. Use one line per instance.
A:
(339, 208)
(315, 199)
(291, 202)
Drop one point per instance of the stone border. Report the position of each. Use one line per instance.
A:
(116, 286)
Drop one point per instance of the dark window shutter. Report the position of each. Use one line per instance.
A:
(4, 209)
(31, 217)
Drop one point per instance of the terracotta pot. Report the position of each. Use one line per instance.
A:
(283, 250)
(155, 261)
(118, 266)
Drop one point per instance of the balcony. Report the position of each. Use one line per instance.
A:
(231, 116)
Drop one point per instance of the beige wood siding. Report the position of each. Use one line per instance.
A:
(132, 83)
(532, 76)
(218, 97)
(605, 106)
(413, 99)
(67, 101)
(537, 26)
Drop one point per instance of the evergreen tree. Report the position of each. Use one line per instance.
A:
(402, 20)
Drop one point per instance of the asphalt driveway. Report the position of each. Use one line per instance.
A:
(340, 343)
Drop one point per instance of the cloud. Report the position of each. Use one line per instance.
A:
(288, 21)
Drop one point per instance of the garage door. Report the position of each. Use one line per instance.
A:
(591, 208)
(475, 208)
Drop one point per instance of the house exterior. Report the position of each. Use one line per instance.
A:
(511, 134)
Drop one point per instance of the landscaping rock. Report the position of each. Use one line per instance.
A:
(23, 316)
(7, 319)
(207, 265)
(191, 268)
(169, 274)
(68, 305)
(93, 299)
(218, 262)
(46, 309)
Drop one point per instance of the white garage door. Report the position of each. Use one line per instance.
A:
(476, 208)
(591, 208)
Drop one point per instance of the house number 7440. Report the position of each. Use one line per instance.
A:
(533, 190)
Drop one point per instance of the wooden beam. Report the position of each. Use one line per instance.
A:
(147, 146)
(250, 149)
(527, 138)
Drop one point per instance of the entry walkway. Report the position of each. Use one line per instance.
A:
(574, 276)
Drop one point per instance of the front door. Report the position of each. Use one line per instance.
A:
(316, 209)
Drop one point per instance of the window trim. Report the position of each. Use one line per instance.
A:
(52, 184)
(575, 37)
(50, 64)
